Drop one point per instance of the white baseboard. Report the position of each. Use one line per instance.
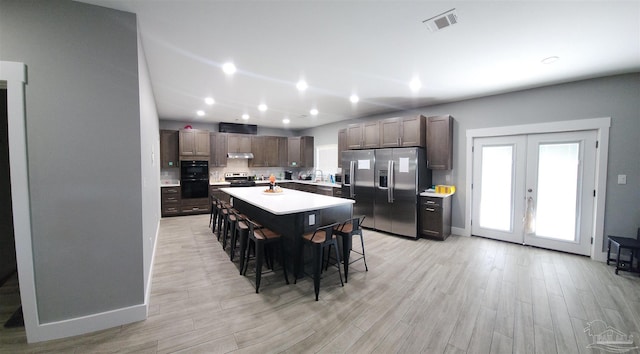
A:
(147, 291)
(459, 231)
(86, 324)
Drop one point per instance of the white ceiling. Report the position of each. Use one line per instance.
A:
(371, 48)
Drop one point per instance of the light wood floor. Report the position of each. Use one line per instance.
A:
(466, 294)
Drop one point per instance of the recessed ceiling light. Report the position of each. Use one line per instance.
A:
(245, 116)
(550, 60)
(262, 107)
(415, 84)
(314, 112)
(302, 85)
(286, 121)
(229, 68)
(200, 113)
(209, 101)
(354, 98)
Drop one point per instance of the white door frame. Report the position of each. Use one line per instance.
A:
(601, 125)
(15, 74)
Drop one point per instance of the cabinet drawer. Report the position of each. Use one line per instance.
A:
(194, 208)
(170, 199)
(170, 210)
(170, 191)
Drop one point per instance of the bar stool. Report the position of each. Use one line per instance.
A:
(347, 230)
(240, 233)
(229, 225)
(213, 216)
(261, 237)
(321, 238)
(222, 217)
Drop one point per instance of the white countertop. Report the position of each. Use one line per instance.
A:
(283, 182)
(428, 193)
(288, 202)
(169, 184)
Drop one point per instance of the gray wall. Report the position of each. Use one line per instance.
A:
(83, 133)
(617, 97)
(150, 166)
(7, 240)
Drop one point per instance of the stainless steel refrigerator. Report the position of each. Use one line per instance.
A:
(385, 184)
(357, 182)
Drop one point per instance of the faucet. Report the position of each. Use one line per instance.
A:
(315, 173)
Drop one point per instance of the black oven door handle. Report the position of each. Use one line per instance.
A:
(195, 179)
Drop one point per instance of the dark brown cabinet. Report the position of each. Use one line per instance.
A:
(342, 144)
(170, 200)
(440, 142)
(195, 206)
(402, 132)
(300, 151)
(218, 149)
(283, 151)
(239, 143)
(265, 151)
(435, 217)
(194, 143)
(169, 153)
(363, 135)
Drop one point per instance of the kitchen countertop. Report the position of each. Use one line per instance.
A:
(288, 202)
(429, 193)
(280, 182)
(170, 185)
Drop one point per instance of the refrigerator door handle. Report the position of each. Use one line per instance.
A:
(391, 184)
(352, 181)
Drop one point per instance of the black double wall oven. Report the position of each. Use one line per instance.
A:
(194, 179)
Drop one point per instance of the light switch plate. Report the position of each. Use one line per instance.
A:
(622, 179)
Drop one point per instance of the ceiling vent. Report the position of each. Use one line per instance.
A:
(446, 19)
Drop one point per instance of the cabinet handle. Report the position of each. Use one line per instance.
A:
(430, 209)
(430, 202)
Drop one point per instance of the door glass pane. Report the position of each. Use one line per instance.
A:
(496, 192)
(557, 190)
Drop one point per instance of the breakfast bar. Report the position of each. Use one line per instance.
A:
(292, 213)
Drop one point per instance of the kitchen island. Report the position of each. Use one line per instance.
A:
(292, 213)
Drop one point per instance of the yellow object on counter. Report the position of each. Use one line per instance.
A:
(444, 189)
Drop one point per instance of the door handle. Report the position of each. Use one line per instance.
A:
(391, 182)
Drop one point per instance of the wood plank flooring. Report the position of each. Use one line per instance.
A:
(463, 295)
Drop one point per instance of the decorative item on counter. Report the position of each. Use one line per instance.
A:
(272, 181)
(444, 189)
(188, 126)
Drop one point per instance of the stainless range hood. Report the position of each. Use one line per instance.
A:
(239, 155)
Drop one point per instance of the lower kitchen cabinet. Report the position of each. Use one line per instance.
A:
(435, 217)
(195, 206)
(170, 201)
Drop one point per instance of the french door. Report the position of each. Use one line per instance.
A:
(535, 189)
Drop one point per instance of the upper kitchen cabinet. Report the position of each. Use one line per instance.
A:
(342, 144)
(239, 143)
(283, 151)
(440, 142)
(218, 147)
(402, 132)
(265, 151)
(363, 135)
(300, 151)
(169, 154)
(194, 143)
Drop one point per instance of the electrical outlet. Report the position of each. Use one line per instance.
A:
(622, 179)
(312, 219)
